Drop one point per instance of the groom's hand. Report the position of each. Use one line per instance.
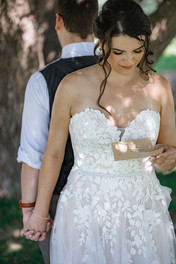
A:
(27, 212)
(35, 229)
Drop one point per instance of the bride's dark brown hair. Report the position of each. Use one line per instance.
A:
(121, 17)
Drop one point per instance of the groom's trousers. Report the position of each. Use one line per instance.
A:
(45, 245)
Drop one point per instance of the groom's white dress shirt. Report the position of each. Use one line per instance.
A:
(36, 111)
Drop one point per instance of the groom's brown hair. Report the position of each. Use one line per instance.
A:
(78, 15)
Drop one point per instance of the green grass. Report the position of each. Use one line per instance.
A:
(13, 248)
(17, 250)
(169, 181)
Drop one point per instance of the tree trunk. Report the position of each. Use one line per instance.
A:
(28, 41)
(163, 23)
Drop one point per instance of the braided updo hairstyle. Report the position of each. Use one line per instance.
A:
(121, 17)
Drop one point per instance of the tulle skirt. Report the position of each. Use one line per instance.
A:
(113, 219)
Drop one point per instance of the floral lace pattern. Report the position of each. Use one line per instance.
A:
(94, 129)
(112, 212)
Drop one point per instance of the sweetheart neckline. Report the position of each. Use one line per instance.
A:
(123, 128)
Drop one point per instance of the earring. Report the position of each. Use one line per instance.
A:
(100, 51)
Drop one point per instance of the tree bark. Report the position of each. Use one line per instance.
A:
(163, 23)
(28, 42)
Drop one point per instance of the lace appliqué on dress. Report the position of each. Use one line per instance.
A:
(112, 211)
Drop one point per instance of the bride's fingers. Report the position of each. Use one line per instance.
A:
(36, 236)
(164, 159)
(29, 234)
(22, 232)
(49, 225)
(42, 237)
(25, 232)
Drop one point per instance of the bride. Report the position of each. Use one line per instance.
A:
(111, 211)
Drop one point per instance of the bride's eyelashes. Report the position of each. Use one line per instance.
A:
(135, 51)
(138, 51)
(117, 53)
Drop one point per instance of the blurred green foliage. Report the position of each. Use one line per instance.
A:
(168, 59)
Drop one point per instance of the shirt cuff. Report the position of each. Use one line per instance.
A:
(35, 162)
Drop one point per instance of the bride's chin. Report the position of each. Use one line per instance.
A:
(125, 72)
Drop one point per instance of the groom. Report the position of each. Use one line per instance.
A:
(74, 23)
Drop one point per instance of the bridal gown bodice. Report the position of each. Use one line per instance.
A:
(92, 134)
(112, 212)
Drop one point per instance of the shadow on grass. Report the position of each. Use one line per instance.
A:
(13, 248)
(17, 250)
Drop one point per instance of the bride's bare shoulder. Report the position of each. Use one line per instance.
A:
(81, 75)
(159, 83)
(76, 82)
(159, 80)
(161, 89)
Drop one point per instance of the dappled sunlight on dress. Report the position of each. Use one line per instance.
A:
(112, 212)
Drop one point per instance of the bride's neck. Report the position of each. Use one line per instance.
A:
(123, 80)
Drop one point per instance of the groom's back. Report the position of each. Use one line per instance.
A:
(53, 74)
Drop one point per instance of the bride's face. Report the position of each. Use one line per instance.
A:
(126, 53)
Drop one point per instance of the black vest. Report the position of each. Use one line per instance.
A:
(53, 74)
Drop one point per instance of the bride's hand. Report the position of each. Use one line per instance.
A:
(167, 159)
(36, 228)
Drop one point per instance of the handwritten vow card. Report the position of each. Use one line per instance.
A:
(134, 149)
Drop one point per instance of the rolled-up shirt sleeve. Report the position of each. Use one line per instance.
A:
(35, 122)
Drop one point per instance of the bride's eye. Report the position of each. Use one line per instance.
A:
(117, 53)
(138, 51)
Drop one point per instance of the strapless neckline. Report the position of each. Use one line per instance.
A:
(110, 123)
(112, 211)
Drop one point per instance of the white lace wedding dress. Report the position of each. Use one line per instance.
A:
(112, 212)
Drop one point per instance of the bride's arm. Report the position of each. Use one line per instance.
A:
(167, 135)
(53, 157)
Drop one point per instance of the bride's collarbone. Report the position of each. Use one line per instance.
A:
(121, 120)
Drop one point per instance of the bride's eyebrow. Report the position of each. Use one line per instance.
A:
(124, 50)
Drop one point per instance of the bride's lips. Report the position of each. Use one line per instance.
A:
(127, 67)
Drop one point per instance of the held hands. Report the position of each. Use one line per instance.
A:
(35, 227)
(166, 160)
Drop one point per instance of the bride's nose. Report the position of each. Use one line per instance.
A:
(129, 58)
